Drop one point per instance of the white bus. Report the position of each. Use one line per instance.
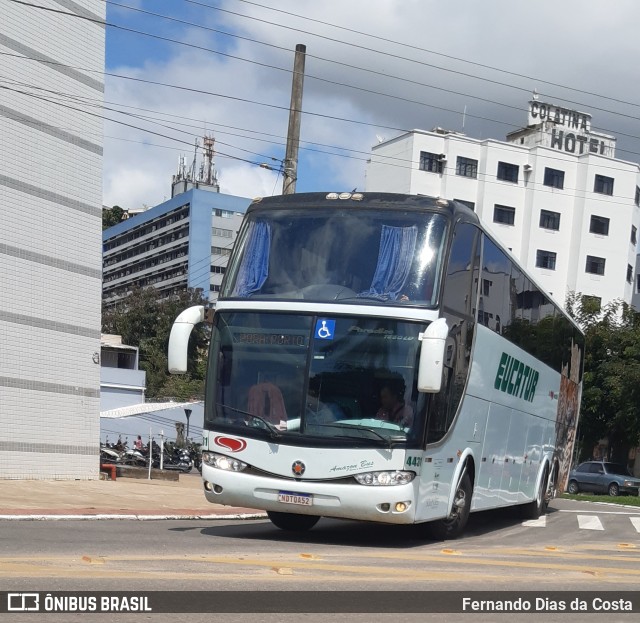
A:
(381, 357)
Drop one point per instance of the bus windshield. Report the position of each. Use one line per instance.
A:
(348, 255)
(308, 379)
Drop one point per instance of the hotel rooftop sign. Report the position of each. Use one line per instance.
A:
(562, 129)
(561, 117)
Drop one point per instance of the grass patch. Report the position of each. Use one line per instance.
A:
(627, 500)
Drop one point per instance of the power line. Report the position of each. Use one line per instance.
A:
(57, 103)
(355, 158)
(346, 85)
(448, 56)
(307, 75)
(411, 60)
(246, 100)
(269, 66)
(386, 75)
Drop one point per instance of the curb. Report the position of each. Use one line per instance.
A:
(134, 517)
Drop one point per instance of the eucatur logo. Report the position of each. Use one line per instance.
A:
(231, 443)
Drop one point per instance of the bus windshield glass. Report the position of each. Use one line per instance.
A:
(308, 379)
(347, 255)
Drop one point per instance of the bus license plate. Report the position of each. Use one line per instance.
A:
(301, 499)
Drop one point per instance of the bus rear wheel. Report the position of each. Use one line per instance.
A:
(454, 525)
(292, 522)
(534, 509)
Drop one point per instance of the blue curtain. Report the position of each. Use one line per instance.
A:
(397, 246)
(254, 269)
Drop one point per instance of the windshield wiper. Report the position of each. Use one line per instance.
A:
(274, 432)
(387, 440)
(365, 297)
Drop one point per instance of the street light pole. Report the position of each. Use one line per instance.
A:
(187, 412)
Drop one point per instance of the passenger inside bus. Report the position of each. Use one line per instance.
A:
(265, 400)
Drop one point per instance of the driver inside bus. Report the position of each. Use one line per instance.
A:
(393, 407)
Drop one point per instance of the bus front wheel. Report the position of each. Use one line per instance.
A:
(292, 522)
(453, 526)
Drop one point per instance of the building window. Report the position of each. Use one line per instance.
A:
(214, 288)
(431, 162)
(220, 251)
(553, 178)
(592, 303)
(638, 283)
(218, 269)
(637, 199)
(629, 273)
(599, 225)
(603, 185)
(634, 235)
(549, 220)
(470, 204)
(595, 265)
(508, 172)
(467, 167)
(504, 215)
(546, 259)
(222, 233)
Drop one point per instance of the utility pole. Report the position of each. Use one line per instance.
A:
(290, 174)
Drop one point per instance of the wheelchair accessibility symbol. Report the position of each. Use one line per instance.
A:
(325, 329)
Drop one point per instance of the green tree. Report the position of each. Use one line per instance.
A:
(144, 319)
(611, 390)
(112, 216)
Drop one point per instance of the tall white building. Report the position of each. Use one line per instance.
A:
(553, 192)
(50, 251)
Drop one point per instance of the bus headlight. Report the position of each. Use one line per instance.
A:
(385, 479)
(219, 461)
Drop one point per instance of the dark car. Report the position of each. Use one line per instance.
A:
(602, 477)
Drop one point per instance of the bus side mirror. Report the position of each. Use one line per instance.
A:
(179, 338)
(432, 356)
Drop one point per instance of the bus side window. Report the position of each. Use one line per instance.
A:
(459, 304)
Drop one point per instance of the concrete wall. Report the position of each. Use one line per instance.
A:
(50, 255)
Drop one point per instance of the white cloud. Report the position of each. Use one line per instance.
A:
(582, 45)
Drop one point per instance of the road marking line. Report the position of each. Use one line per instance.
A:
(541, 522)
(562, 510)
(589, 522)
(133, 517)
(636, 523)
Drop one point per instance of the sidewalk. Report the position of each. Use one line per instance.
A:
(124, 498)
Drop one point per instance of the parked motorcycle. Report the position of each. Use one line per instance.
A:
(109, 455)
(176, 458)
(195, 452)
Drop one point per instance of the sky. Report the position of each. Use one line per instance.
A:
(374, 68)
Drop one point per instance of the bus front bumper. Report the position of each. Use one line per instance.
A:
(386, 504)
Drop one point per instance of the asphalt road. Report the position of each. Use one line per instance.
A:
(576, 547)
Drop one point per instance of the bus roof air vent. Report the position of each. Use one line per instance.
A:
(332, 196)
(442, 202)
